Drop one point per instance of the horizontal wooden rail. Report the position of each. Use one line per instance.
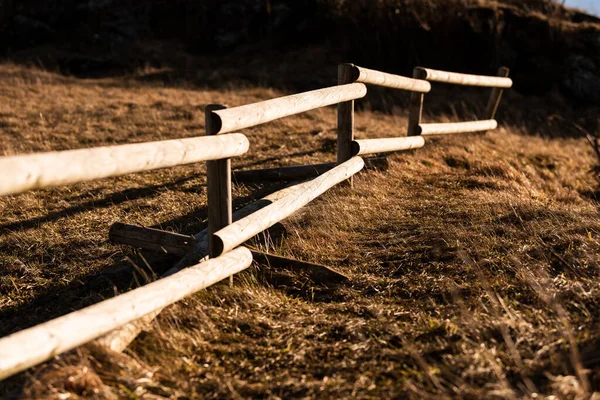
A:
(378, 78)
(32, 346)
(236, 118)
(36, 171)
(119, 339)
(150, 238)
(384, 145)
(457, 127)
(240, 231)
(454, 78)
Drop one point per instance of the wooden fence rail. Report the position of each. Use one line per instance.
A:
(348, 73)
(386, 145)
(237, 118)
(36, 171)
(392, 81)
(454, 78)
(32, 346)
(457, 127)
(234, 234)
(114, 323)
(498, 83)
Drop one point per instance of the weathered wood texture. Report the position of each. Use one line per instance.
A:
(318, 272)
(149, 238)
(495, 96)
(118, 339)
(378, 78)
(249, 115)
(177, 244)
(42, 342)
(345, 117)
(415, 111)
(218, 183)
(35, 171)
(294, 188)
(454, 78)
(384, 145)
(457, 127)
(242, 230)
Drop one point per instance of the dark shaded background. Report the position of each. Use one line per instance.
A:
(296, 44)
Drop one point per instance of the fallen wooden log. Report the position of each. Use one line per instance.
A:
(298, 172)
(139, 236)
(292, 173)
(318, 272)
(150, 238)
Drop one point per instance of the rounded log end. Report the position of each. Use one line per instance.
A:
(419, 131)
(355, 148)
(420, 73)
(360, 163)
(218, 247)
(116, 227)
(214, 123)
(427, 87)
(348, 73)
(245, 142)
(363, 89)
(355, 74)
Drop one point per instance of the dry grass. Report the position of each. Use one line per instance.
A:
(474, 261)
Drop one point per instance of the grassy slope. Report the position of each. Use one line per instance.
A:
(474, 261)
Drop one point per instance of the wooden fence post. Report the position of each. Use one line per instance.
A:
(496, 96)
(218, 185)
(345, 117)
(416, 105)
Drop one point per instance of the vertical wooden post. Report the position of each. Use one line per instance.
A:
(496, 96)
(345, 117)
(417, 99)
(218, 186)
(345, 134)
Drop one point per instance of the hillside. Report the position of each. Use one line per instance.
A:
(473, 262)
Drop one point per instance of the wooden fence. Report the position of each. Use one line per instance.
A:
(114, 323)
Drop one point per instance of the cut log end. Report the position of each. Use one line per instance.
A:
(214, 123)
(355, 147)
(218, 246)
